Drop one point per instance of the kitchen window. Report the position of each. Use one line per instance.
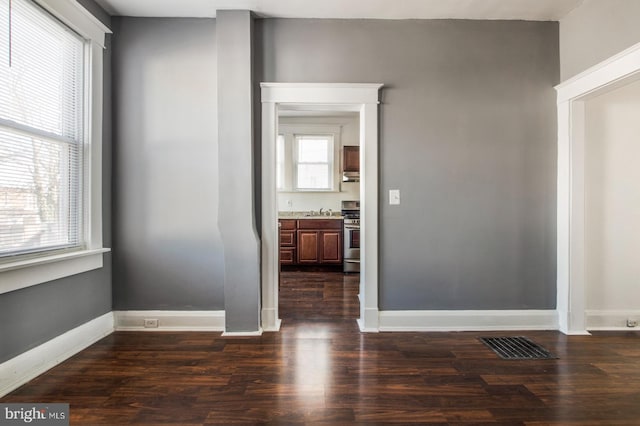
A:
(50, 141)
(307, 158)
(313, 164)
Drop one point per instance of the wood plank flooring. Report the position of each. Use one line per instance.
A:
(321, 370)
(319, 295)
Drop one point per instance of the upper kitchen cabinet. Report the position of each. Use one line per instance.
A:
(351, 159)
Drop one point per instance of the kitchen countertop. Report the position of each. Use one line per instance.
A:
(302, 215)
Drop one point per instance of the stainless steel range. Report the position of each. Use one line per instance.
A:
(351, 237)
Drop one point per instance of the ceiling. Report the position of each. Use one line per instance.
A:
(530, 10)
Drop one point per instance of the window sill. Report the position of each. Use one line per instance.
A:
(29, 272)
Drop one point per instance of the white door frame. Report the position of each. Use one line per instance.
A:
(613, 73)
(362, 98)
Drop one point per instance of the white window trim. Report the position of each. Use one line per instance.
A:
(290, 132)
(28, 271)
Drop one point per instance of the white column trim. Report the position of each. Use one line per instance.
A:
(613, 73)
(369, 320)
(362, 98)
(270, 267)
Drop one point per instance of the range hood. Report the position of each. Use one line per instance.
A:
(351, 176)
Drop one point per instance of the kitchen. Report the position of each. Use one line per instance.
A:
(318, 193)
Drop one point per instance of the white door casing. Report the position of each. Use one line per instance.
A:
(615, 72)
(362, 98)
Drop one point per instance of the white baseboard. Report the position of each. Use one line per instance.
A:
(468, 320)
(170, 320)
(610, 319)
(30, 364)
(242, 333)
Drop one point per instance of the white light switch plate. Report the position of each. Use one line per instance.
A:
(394, 197)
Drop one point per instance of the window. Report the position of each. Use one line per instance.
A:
(307, 157)
(51, 67)
(41, 132)
(314, 163)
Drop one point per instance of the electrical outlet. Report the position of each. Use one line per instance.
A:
(632, 323)
(289, 204)
(150, 323)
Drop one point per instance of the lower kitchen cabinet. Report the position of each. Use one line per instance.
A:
(319, 242)
(288, 241)
(311, 242)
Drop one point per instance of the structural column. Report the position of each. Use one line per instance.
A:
(236, 166)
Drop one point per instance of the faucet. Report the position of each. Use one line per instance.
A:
(320, 213)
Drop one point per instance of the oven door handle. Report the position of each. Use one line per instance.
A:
(351, 227)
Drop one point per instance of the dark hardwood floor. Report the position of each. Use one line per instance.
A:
(319, 295)
(319, 369)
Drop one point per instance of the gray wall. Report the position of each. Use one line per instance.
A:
(167, 248)
(596, 31)
(468, 135)
(34, 315)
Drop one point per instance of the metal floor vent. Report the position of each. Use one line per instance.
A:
(516, 348)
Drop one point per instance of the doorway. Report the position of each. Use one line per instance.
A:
(363, 100)
(618, 71)
(318, 198)
(612, 208)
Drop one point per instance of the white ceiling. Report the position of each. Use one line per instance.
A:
(530, 10)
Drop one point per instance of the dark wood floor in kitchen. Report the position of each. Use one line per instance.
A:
(321, 370)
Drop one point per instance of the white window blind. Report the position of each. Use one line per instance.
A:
(314, 162)
(41, 131)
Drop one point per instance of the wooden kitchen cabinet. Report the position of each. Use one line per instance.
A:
(319, 242)
(288, 241)
(351, 159)
(310, 241)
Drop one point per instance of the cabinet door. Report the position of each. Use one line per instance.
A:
(308, 247)
(330, 247)
(351, 159)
